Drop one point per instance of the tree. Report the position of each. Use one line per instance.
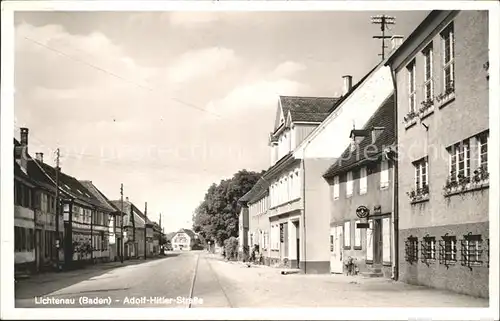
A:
(216, 217)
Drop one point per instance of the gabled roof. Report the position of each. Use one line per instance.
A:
(258, 190)
(383, 117)
(304, 108)
(127, 219)
(99, 195)
(170, 235)
(189, 232)
(70, 185)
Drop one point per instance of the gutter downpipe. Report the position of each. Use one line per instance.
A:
(395, 187)
(304, 204)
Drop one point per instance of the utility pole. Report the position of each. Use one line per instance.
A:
(383, 21)
(121, 223)
(145, 229)
(58, 239)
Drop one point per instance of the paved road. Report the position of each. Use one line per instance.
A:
(165, 282)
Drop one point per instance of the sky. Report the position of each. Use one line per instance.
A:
(168, 103)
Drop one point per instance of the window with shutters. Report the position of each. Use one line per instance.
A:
(384, 174)
(349, 184)
(347, 235)
(336, 188)
(357, 236)
(363, 181)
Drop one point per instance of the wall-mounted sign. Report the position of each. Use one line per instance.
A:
(362, 211)
(377, 209)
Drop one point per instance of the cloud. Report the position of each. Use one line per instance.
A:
(263, 92)
(287, 68)
(201, 63)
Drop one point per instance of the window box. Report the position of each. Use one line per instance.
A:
(465, 184)
(410, 119)
(447, 96)
(427, 108)
(419, 194)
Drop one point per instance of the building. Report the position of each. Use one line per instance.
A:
(85, 220)
(134, 230)
(34, 192)
(323, 146)
(443, 185)
(184, 240)
(102, 221)
(257, 224)
(361, 183)
(296, 118)
(25, 251)
(243, 228)
(254, 221)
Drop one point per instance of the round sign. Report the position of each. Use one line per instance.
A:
(362, 211)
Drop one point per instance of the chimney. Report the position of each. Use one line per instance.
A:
(39, 157)
(24, 136)
(126, 199)
(376, 131)
(347, 84)
(396, 41)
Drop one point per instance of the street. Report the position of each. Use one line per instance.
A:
(171, 282)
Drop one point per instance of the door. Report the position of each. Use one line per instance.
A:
(377, 241)
(336, 249)
(297, 234)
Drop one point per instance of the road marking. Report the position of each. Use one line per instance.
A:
(191, 290)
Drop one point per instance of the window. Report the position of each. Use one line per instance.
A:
(448, 39)
(347, 235)
(483, 151)
(331, 243)
(428, 246)
(363, 181)
(412, 102)
(349, 184)
(448, 250)
(421, 174)
(471, 250)
(357, 236)
(411, 249)
(460, 160)
(428, 83)
(384, 174)
(336, 188)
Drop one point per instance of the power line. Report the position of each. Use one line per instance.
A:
(109, 73)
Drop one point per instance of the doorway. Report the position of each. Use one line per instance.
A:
(336, 249)
(297, 242)
(377, 241)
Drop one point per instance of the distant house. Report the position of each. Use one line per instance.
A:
(184, 240)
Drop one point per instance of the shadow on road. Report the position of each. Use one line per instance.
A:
(46, 283)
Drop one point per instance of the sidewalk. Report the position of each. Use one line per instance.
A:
(262, 286)
(48, 282)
